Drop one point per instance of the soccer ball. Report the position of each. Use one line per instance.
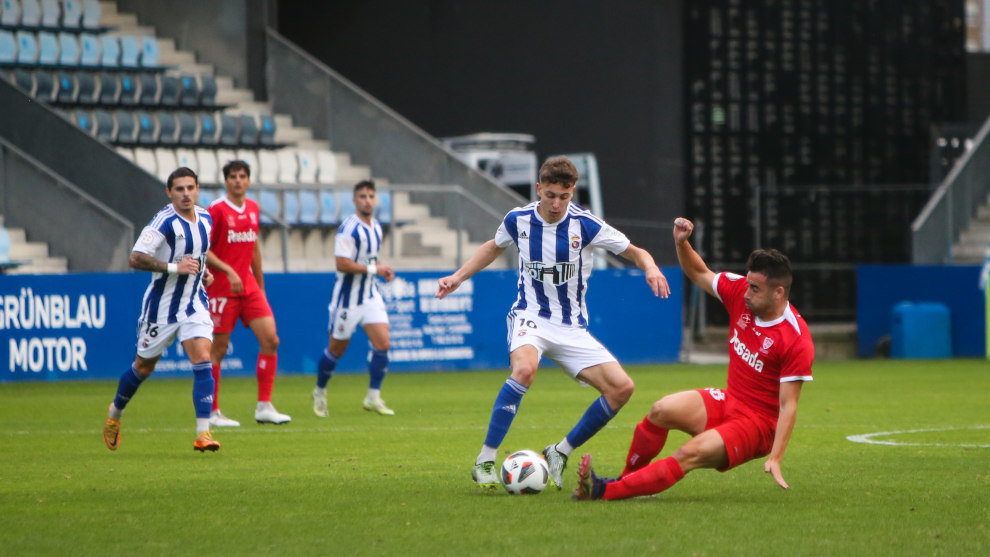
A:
(525, 472)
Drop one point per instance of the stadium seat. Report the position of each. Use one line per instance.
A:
(268, 201)
(109, 51)
(188, 90)
(68, 88)
(89, 47)
(71, 14)
(27, 48)
(149, 52)
(327, 163)
(84, 119)
(130, 51)
(30, 13)
(109, 89)
(187, 128)
(105, 126)
(384, 206)
(290, 206)
(126, 127)
(130, 90)
(168, 128)
(145, 158)
(309, 208)
(150, 88)
(206, 162)
(91, 13)
(208, 90)
(187, 158)
(86, 93)
(11, 14)
(44, 89)
(47, 49)
(329, 207)
(169, 91)
(68, 49)
(8, 47)
(307, 166)
(288, 166)
(347, 207)
(223, 157)
(207, 128)
(249, 130)
(229, 130)
(147, 128)
(166, 162)
(206, 196)
(249, 156)
(267, 171)
(51, 14)
(266, 136)
(24, 79)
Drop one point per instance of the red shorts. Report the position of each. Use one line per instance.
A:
(226, 311)
(746, 436)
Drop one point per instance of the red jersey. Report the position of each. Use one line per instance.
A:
(762, 355)
(234, 235)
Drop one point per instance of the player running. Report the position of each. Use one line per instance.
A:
(549, 318)
(239, 291)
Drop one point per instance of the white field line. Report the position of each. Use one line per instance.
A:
(871, 438)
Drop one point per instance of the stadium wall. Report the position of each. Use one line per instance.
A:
(83, 326)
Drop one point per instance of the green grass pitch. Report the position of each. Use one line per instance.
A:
(361, 484)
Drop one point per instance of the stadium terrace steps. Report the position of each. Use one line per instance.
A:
(971, 248)
(35, 254)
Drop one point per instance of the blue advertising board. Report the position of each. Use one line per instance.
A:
(84, 326)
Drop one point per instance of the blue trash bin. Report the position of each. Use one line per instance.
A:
(921, 330)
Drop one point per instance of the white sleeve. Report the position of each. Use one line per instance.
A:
(610, 239)
(149, 241)
(502, 237)
(344, 246)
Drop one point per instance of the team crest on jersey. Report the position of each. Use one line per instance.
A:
(575, 242)
(254, 219)
(555, 274)
(767, 343)
(744, 321)
(231, 222)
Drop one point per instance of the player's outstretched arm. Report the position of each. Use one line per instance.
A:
(693, 265)
(486, 254)
(789, 394)
(146, 262)
(654, 277)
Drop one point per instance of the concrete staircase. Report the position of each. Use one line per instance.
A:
(34, 256)
(972, 245)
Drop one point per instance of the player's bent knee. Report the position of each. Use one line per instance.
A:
(524, 374)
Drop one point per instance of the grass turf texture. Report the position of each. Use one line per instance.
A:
(361, 484)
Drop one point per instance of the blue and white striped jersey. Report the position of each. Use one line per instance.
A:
(360, 243)
(555, 260)
(172, 297)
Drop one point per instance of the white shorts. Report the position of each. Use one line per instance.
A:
(573, 348)
(154, 338)
(344, 321)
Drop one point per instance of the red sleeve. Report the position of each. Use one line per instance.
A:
(797, 365)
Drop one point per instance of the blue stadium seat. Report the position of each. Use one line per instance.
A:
(105, 126)
(347, 207)
(170, 91)
(229, 130)
(187, 128)
(130, 51)
(249, 130)
(126, 127)
(8, 46)
(290, 206)
(68, 88)
(266, 136)
(47, 49)
(44, 89)
(51, 14)
(168, 128)
(207, 129)
(188, 90)
(30, 13)
(87, 88)
(91, 12)
(84, 119)
(329, 207)
(10, 16)
(268, 201)
(147, 128)
(309, 208)
(68, 49)
(151, 88)
(109, 51)
(109, 88)
(24, 79)
(384, 207)
(27, 48)
(89, 47)
(130, 91)
(149, 52)
(208, 90)
(71, 14)
(206, 196)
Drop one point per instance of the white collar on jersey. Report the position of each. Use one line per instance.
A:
(233, 205)
(788, 316)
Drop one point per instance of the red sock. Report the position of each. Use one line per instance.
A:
(265, 371)
(647, 442)
(653, 479)
(216, 386)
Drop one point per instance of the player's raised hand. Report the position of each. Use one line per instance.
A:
(446, 285)
(682, 229)
(773, 467)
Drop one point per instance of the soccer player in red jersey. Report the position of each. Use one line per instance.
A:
(239, 290)
(770, 357)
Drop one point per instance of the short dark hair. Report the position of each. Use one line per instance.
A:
(181, 172)
(558, 170)
(370, 184)
(236, 165)
(774, 264)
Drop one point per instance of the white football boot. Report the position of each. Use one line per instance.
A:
(265, 413)
(217, 419)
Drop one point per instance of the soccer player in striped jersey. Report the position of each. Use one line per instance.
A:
(770, 357)
(173, 248)
(356, 301)
(549, 318)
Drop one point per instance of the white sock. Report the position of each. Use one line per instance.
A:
(565, 448)
(487, 454)
(374, 394)
(202, 424)
(114, 412)
(320, 392)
